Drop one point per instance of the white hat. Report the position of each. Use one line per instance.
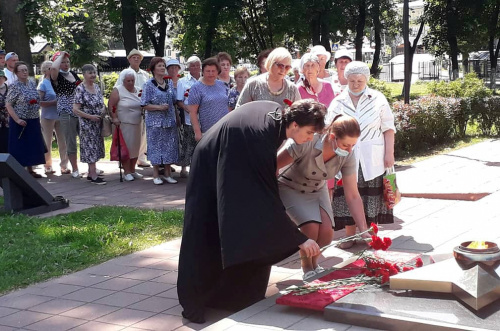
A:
(320, 50)
(343, 53)
(357, 67)
(308, 57)
(175, 62)
(135, 52)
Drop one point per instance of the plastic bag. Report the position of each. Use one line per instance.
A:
(392, 195)
(119, 150)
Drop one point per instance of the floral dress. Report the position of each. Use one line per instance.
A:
(161, 126)
(91, 142)
(233, 96)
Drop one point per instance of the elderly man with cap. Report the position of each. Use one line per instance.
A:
(323, 57)
(374, 152)
(141, 77)
(187, 134)
(10, 62)
(2, 59)
(4, 115)
(342, 58)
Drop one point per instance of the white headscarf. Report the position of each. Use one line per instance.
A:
(357, 67)
(125, 73)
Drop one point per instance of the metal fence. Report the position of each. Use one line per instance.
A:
(394, 72)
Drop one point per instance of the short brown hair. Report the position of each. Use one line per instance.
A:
(154, 62)
(18, 64)
(224, 56)
(344, 125)
(211, 61)
(240, 71)
(262, 56)
(306, 112)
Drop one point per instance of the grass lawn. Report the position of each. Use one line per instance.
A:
(107, 148)
(415, 90)
(35, 249)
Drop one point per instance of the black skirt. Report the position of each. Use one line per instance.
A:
(27, 146)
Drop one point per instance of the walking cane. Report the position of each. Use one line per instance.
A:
(119, 153)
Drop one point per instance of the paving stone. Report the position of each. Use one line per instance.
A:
(117, 284)
(4, 311)
(56, 323)
(148, 288)
(24, 301)
(144, 274)
(98, 326)
(110, 269)
(121, 299)
(125, 317)
(167, 264)
(58, 290)
(155, 304)
(88, 294)
(172, 293)
(82, 279)
(90, 311)
(56, 306)
(161, 322)
(22, 318)
(169, 278)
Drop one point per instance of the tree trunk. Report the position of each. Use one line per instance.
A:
(375, 70)
(492, 24)
(465, 62)
(360, 29)
(315, 30)
(15, 31)
(162, 34)
(129, 21)
(210, 32)
(451, 36)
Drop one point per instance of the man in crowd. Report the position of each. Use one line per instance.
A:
(2, 59)
(10, 61)
(141, 77)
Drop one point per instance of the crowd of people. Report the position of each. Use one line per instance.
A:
(266, 178)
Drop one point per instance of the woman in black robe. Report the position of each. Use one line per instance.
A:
(235, 225)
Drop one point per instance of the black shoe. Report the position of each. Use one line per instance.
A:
(90, 178)
(98, 181)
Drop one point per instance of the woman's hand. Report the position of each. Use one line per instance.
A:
(95, 118)
(163, 107)
(116, 121)
(21, 122)
(197, 136)
(388, 160)
(310, 248)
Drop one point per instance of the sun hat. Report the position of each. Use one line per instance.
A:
(57, 54)
(357, 67)
(175, 62)
(343, 53)
(135, 52)
(320, 50)
(9, 55)
(2, 74)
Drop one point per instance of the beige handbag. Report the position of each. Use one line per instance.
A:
(106, 125)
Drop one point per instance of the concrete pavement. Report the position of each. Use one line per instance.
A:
(137, 292)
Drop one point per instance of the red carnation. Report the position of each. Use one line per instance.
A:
(186, 94)
(139, 95)
(167, 77)
(114, 109)
(374, 228)
(407, 269)
(33, 101)
(393, 270)
(376, 243)
(339, 182)
(78, 82)
(178, 76)
(419, 262)
(387, 243)
(288, 102)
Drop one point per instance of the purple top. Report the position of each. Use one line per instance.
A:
(212, 101)
(325, 96)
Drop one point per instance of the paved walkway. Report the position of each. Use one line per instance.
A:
(137, 292)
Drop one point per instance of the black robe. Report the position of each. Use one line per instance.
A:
(235, 225)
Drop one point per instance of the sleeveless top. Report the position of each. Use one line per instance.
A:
(129, 106)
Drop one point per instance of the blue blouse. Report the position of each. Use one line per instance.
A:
(152, 94)
(212, 101)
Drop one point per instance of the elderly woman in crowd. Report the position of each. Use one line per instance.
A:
(225, 63)
(50, 120)
(375, 151)
(312, 87)
(339, 82)
(188, 141)
(65, 82)
(4, 114)
(241, 75)
(161, 121)
(272, 85)
(207, 99)
(174, 68)
(303, 188)
(323, 57)
(25, 133)
(89, 107)
(126, 113)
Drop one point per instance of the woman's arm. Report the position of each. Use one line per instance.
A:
(78, 112)
(114, 98)
(284, 158)
(354, 201)
(195, 123)
(389, 148)
(56, 65)
(46, 103)
(13, 115)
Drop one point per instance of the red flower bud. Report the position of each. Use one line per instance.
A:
(339, 182)
(186, 94)
(178, 76)
(288, 102)
(33, 101)
(139, 95)
(374, 228)
(419, 262)
(78, 82)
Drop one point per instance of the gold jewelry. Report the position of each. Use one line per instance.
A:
(271, 91)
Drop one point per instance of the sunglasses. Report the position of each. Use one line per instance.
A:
(283, 66)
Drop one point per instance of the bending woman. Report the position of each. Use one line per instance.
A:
(303, 188)
(235, 226)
